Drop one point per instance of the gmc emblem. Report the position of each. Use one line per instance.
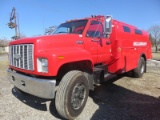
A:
(17, 56)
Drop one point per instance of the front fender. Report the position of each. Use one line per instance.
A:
(67, 55)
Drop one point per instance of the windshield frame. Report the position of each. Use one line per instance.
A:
(72, 27)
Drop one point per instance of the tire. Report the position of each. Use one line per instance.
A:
(130, 73)
(72, 94)
(139, 71)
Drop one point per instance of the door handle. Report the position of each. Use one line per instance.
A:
(93, 40)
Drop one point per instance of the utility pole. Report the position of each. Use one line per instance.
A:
(14, 23)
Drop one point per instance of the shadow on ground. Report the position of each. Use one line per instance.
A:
(115, 103)
(36, 103)
(118, 103)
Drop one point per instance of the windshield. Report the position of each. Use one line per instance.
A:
(75, 27)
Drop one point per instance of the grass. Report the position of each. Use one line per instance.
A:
(156, 56)
(3, 64)
(3, 53)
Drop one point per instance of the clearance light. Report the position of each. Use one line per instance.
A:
(60, 57)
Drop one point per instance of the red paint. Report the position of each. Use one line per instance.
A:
(121, 51)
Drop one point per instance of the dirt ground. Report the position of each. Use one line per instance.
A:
(121, 98)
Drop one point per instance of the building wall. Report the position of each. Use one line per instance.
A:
(4, 49)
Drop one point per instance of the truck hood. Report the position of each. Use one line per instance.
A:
(50, 42)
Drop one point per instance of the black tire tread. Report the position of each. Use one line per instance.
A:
(137, 71)
(60, 95)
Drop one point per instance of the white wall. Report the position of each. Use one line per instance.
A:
(4, 49)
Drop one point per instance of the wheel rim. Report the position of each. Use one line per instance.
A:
(78, 96)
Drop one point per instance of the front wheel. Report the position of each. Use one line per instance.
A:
(72, 94)
(139, 71)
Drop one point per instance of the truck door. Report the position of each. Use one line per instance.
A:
(104, 50)
(99, 46)
(91, 42)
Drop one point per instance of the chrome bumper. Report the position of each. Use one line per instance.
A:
(43, 88)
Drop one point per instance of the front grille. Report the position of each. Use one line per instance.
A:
(21, 56)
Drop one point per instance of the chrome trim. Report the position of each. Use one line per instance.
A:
(21, 56)
(43, 88)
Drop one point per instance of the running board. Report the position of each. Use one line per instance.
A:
(109, 76)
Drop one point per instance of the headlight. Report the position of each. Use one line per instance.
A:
(42, 65)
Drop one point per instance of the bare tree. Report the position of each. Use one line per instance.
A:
(155, 32)
(151, 39)
(3, 43)
(50, 30)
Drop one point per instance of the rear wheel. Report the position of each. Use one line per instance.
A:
(72, 94)
(139, 71)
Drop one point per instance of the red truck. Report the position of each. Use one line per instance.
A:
(79, 54)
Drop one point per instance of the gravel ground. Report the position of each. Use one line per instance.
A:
(122, 98)
(3, 57)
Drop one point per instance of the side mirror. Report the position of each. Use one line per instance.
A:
(108, 25)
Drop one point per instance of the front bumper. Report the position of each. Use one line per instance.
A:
(43, 88)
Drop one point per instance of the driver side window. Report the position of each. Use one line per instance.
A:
(95, 29)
